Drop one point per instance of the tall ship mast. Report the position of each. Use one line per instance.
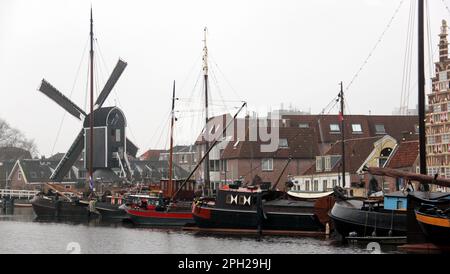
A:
(206, 139)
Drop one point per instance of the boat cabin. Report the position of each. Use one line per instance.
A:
(186, 193)
(237, 197)
(396, 201)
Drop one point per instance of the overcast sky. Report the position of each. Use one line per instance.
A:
(264, 52)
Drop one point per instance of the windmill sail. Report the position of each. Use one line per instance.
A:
(132, 149)
(69, 158)
(120, 67)
(60, 99)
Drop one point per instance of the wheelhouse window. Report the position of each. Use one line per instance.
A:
(303, 125)
(334, 128)
(267, 164)
(356, 128)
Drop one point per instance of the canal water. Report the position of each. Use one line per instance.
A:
(20, 232)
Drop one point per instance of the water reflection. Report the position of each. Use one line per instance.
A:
(21, 232)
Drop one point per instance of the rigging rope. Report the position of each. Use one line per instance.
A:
(70, 96)
(375, 46)
(114, 90)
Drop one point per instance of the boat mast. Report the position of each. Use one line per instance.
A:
(341, 117)
(170, 187)
(208, 151)
(205, 77)
(91, 116)
(421, 89)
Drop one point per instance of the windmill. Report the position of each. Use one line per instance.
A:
(105, 127)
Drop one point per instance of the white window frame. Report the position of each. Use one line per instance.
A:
(267, 164)
(319, 163)
(335, 128)
(284, 144)
(357, 128)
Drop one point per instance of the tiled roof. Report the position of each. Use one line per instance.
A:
(40, 170)
(155, 170)
(151, 154)
(404, 155)
(302, 144)
(397, 126)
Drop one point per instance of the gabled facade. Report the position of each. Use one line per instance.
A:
(437, 120)
(33, 174)
(326, 172)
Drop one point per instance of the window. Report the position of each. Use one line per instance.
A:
(324, 185)
(267, 164)
(117, 134)
(446, 138)
(443, 76)
(431, 140)
(379, 129)
(437, 108)
(283, 142)
(334, 127)
(306, 185)
(214, 165)
(447, 172)
(356, 128)
(416, 127)
(334, 181)
(19, 176)
(224, 165)
(318, 163)
(316, 185)
(328, 163)
(303, 125)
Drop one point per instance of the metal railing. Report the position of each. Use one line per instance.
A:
(18, 193)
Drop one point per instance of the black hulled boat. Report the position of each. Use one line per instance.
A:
(258, 207)
(57, 206)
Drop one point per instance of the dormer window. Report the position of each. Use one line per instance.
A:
(334, 128)
(303, 125)
(356, 128)
(327, 163)
(319, 163)
(283, 143)
(379, 129)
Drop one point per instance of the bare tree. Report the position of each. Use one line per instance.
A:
(12, 137)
